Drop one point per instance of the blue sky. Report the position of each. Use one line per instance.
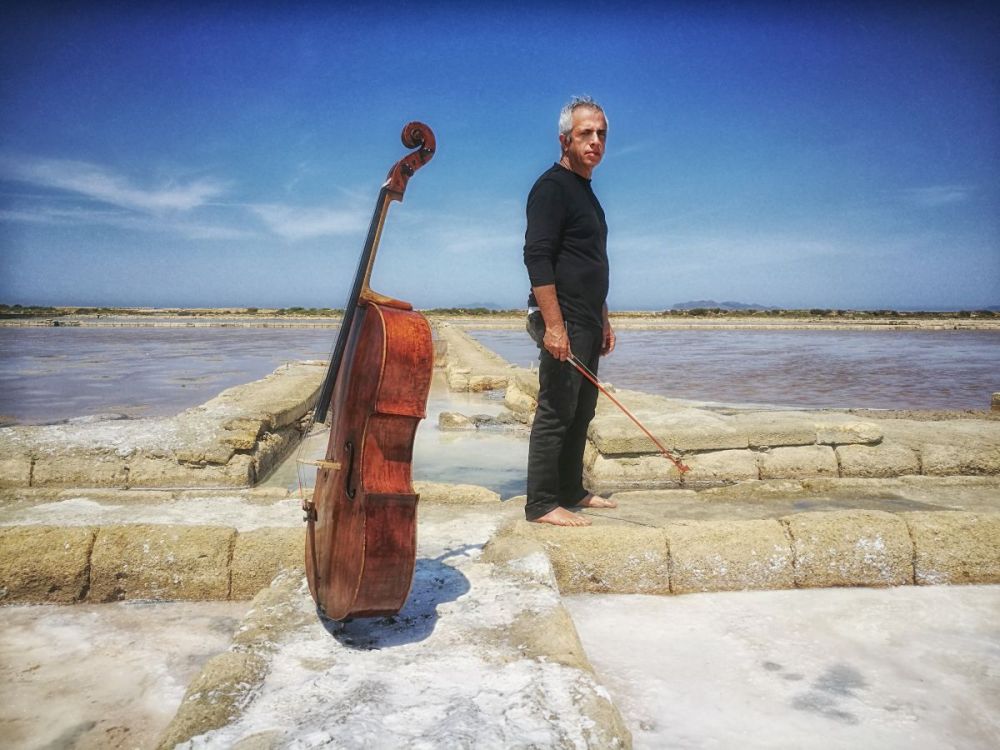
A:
(230, 155)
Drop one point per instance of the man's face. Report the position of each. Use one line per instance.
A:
(584, 146)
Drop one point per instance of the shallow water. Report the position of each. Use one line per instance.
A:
(489, 458)
(804, 369)
(50, 374)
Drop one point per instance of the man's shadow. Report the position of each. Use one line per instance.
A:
(434, 582)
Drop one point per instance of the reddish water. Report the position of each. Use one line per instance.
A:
(48, 374)
(816, 369)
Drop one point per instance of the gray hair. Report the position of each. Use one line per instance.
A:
(566, 115)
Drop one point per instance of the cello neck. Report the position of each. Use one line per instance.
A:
(362, 293)
(415, 135)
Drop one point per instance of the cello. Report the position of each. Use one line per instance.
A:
(361, 534)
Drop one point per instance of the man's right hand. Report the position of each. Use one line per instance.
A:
(556, 342)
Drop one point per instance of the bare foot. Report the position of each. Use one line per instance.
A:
(596, 501)
(562, 517)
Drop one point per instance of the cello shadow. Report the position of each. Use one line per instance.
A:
(434, 582)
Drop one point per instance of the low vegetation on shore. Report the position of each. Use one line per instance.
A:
(38, 311)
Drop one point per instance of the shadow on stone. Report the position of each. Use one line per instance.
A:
(434, 582)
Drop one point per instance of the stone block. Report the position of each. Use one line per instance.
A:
(847, 430)
(617, 435)
(729, 556)
(276, 610)
(164, 471)
(873, 461)
(241, 434)
(271, 449)
(457, 377)
(850, 548)
(15, 471)
(488, 382)
(201, 455)
(629, 471)
(770, 430)
(716, 467)
(519, 398)
(79, 470)
(440, 493)
(241, 471)
(631, 560)
(797, 462)
(955, 547)
(149, 470)
(259, 555)
(44, 564)
(959, 458)
(453, 421)
(216, 696)
(161, 562)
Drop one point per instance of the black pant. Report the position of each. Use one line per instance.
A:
(566, 403)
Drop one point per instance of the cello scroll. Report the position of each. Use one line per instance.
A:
(415, 135)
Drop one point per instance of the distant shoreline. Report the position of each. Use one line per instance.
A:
(624, 320)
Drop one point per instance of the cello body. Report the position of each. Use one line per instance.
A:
(361, 535)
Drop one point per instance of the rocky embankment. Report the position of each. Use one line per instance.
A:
(735, 445)
(233, 440)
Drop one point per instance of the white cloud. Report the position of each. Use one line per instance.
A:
(302, 223)
(61, 216)
(937, 195)
(101, 184)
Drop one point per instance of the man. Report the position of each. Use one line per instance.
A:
(565, 251)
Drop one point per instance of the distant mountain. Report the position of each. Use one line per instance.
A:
(710, 303)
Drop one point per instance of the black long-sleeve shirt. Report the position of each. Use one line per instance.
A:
(566, 244)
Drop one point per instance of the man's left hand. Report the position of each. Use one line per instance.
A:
(608, 345)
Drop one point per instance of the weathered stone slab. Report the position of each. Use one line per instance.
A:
(960, 458)
(688, 430)
(471, 366)
(272, 448)
(883, 460)
(729, 556)
(161, 562)
(79, 469)
(457, 377)
(955, 547)
(44, 564)
(192, 448)
(521, 396)
(165, 471)
(850, 548)
(773, 429)
(202, 455)
(151, 470)
(455, 494)
(15, 470)
(241, 433)
(843, 430)
(261, 554)
(477, 383)
(797, 462)
(453, 421)
(631, 560)
(216, 696)
(721, 466)
(629, 471)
